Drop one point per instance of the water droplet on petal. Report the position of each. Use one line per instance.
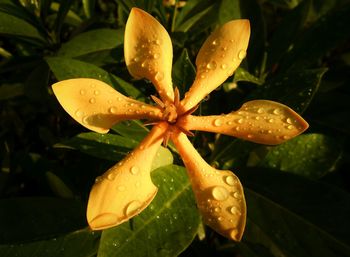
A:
(230, 180)
(92, 100)
(276, 111)
(82, 91)
(158, 42)
(235, 210)
(113, 110)
(237, 195)
(111, 176)
(220, 193)
(134, 170)
(217, 122)
(240, 121)
(79, 113)
(271, 120)
(132, 208)
(241, 54)
(233, 234)
(223, 66)
(156, 56)
(289, 121)
(290, 127)
(136, 59)
(260, 110)
(215, 42)
(97, 92)
(159, 76)
(211, 65)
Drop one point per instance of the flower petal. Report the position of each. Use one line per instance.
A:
(148, 52)
(97, 106)
(259, 121)
(126, 188)
(217, 59)
(219, 193)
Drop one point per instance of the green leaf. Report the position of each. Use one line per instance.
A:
(111, 147)
(294, 88)
(293, 216)
(229, 10)
(65, 68)
(286, 32)
(81, 243)
(131, 127)
(309, 155)
(23, 219)
(14, 26)
(92, 41)
(183, 72)
(9, 91)
(58, 186)
(63, 9)
(243, 75)
(89, 7)
(320, 39)
(165, 228)
(36, 84)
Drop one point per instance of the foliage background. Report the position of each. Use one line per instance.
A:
(297, 193)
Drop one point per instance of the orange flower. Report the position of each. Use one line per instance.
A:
(126, 188)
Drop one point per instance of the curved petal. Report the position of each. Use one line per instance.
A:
(217, 59)
(126, 188)
(148, 52)
(97, 106)
(219, 193)
(259, 121)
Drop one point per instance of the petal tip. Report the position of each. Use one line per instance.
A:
(103, 221)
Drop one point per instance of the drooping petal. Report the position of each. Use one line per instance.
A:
(217, 59)
(219, 193)
(148, 52)
(125, 189)
(259, 121)
(97, 106)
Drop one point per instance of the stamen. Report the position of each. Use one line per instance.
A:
(176, 97)
(158, 101)
(192, 110)
(185, 131)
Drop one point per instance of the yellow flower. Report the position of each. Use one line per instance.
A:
(126, 188)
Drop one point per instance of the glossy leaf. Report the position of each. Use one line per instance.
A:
(65, 68)
(294, 88)
(309, 155)
(280, 205)
(89, 7)
(92, 41)
(80, 243)
(183, 72)
(243, 75)
(165, 228)
(14, 26)
(111, 147)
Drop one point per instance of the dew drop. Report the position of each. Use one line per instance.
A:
(136, 59)
(211, 65)
(220, 218)
(143, 64)
(156, 56)
(234, 234)
(203, 76)
(235, 210)
(271, 120)
(217, 209)
(241, 54)
(260, 110)
(237, 195)
(98, 179)
(290, 127)
(82, 91)
(223, 66)
(79, 113)
(92, 100)
(158, 42)
(134, 170)
(113, 110)
(111, 176)
(159, 76)
(217, 122)
(215, 42)
(132, 208)
(276, 111)
(240, 121)
(289, 121)
(230, 180)
(97, 92)
(220, 193)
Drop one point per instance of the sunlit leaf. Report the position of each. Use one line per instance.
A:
(80, 243)
(310, 155)
(243, 75)
(183, 72)
(165, 228)
(281, 205)
(92, 41)
(111, 147)
(65, 68)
